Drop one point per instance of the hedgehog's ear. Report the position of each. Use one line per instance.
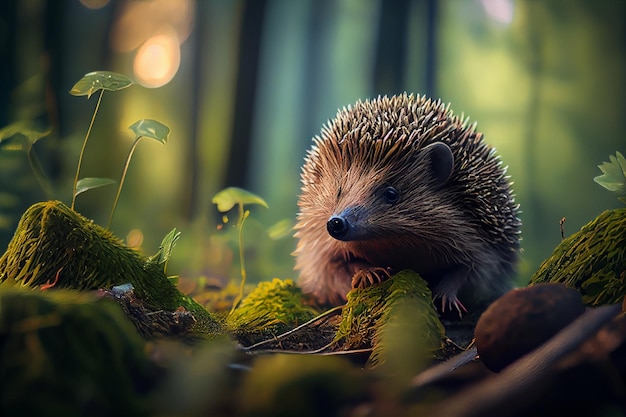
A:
(441, 162)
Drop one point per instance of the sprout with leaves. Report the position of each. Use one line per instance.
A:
(613, 176)
(20, 136)
(165, 249)
(86, 86)
(225, 201)
(145, 128)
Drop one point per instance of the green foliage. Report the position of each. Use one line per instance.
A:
(89, 183)
(593, 260)
(225, 201)
(100, 80)
(144, 128)
(21, 137)
(148, 128)
(165, 249)
(271, 308)
(613, 176)
(231, 196)
(396, 318)
(86, 86)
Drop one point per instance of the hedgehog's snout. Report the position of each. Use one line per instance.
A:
(348, 224)
(338, 227)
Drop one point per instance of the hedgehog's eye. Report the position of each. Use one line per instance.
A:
(391, 195)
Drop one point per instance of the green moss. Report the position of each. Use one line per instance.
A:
(592, 260)
(302, 385)
(70, 353)
(55, 246)
(398, 312)
(271, 308)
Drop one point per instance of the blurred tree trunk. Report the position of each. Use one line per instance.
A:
(390, 65)
(253, 16)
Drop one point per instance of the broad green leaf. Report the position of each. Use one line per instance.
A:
(228, 197)
(613, 176)
(85, 184)
(15, 143)
(20, 136)
(152, 129)
(100, 80)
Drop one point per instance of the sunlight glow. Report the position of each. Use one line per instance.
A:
(154, 29)
(499, 10)
(157, 60)
(134, 238)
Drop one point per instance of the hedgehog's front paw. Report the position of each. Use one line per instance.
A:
(364, 278)
(452, 302)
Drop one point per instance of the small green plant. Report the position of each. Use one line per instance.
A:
(144, 128)
(86, 86)
(225, 201)
(613, 176)
(21, 137)
(165, 252)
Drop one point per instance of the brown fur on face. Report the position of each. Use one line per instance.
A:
(456, 225)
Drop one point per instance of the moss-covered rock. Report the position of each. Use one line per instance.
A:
(273, 307)
(396, 316)
(593, 260)
(55, 246)
(70, 353)
(302, 385)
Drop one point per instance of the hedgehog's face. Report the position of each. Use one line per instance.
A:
(371, 198)
(390, 200)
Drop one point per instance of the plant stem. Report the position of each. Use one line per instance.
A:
(41, 176)
(242, 217)
(119, 189)
(82, 151)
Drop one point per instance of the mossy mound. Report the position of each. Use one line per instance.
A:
(54, 246)
(593, 260)
(53, 243)
(69, 353)
(399, 311)
(303, 385)
(273, 307)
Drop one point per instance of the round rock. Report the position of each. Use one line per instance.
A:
(523, 319)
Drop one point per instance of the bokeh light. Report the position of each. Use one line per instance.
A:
(155, 29)
(157, 60)
(139, 20)
(499, 10)
(134, 238)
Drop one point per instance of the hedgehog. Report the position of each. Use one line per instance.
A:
(398, 183)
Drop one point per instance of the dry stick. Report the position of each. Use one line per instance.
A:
(307, 352)
(441, 370)
(561, 223)
(518, 380)
(295, 329)
(82, 150)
